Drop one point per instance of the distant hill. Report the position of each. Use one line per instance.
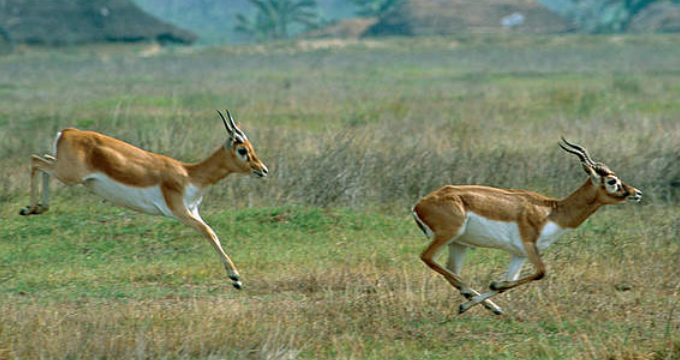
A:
(56, 22)
(464, 16)
(657, 18)
(214, 20)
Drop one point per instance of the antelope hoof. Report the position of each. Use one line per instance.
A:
(33, 210)
(468, 295)
(487, 304)
(480, 299)
(496, 285)
(236, 282)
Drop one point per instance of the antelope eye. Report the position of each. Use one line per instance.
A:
(242, 151)
(612, 182)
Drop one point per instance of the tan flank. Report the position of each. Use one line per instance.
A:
(143, 181)
(520, 222)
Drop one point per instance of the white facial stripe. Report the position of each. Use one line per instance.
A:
(614, 186)
(242, 153)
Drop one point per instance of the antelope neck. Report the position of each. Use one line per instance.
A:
(573, 210)
(211, 170)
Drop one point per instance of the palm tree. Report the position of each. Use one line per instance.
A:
(374, 7)
(274, 18)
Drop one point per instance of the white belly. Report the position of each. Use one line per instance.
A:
(148, 200)
(193, 196)
(550, 233)
(482, 232)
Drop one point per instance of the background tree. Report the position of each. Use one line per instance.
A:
(275, 18)
(374, 8)
(6, 43)
(607, 16)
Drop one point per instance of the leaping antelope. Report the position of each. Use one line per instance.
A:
(520, 222)
(143, 181)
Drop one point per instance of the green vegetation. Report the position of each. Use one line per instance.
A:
(353, 135)
(606, 16)
(374, 7)
(274, 18)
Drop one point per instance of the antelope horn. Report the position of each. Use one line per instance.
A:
(233, 124)
(226, 125)
(577, 150)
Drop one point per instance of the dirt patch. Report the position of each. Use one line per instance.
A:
(345, 29)
(58, 22)
(319, 44)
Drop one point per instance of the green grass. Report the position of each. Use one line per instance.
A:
(326, 247)
(324, 284)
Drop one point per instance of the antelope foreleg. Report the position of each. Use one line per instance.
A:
(192, 218)
(516, 263)
(208, 233)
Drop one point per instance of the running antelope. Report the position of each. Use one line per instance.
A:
(143, 181)
(520, 222)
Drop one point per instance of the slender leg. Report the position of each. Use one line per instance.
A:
(535, 259)
(438, 242)
(511, 280)
(516, 263)
(45, 190)
(45, 166)
(46, 182)
(193, 219)
(208, 233)
(456, 257)
(455, 264)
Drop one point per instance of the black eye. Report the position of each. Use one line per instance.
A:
(242, 151)
(611, 182)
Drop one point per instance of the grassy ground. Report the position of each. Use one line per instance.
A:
(329, 256)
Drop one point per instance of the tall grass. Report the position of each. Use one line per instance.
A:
(362, 126)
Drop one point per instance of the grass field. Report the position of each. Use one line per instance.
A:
(353, 133)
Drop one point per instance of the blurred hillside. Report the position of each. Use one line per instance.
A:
(59, 22)
(461, 16)
(214, 21)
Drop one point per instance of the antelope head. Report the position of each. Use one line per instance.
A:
(610, 188)
(241, 150)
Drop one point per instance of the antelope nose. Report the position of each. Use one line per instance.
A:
(638, 193)
(265, 170)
